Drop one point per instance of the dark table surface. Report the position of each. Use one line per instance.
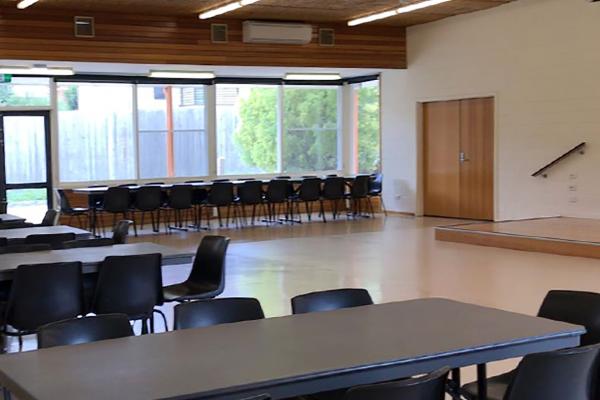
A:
(284, 356)
(90, 256)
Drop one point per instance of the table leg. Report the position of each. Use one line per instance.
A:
(481, 382)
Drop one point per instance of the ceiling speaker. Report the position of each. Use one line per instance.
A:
(84, 27)
(326, 37)
(219, 33)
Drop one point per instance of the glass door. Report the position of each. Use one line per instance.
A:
(25, 167)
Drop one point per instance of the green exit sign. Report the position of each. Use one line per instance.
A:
(6, 78)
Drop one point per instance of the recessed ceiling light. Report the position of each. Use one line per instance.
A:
(299, 76)
(226, 8)
(182, 74)
(26, 3)
(391, 13)
(36, 70)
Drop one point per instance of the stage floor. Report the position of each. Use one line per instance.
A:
(560, 235)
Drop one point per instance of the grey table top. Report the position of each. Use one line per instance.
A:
(21, 233)
(284, 356)
(90, 256)
(10, 218)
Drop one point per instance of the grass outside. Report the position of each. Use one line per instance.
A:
(26, 195)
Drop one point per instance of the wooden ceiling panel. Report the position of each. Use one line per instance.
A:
(338, 11)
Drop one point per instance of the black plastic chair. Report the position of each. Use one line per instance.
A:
(24, 248)
(3, 241)
(199, 198)
(220, 195)
(203, 313)
(309, 192)
(117, 201)
(557, 375)
(84, 330)
(72, 212)
(121, 231)
(330, 300)
(43, 293)
(376, 189)
(429, 387)
(179, 205)
(55, 240)
(50, 218)
(575, 307)
(130, 285)
(359, 193)
(207, 278)
(250, 193)
(277, 197)
(149, 199)
(334, 191)
(77, 244)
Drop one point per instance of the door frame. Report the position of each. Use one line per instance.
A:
(4, 186)
(420, 149)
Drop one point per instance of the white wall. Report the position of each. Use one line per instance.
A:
(541, 59)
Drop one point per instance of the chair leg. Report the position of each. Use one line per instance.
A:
(322, 210)
(253, 213)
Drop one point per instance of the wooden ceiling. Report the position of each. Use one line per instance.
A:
(337, 11)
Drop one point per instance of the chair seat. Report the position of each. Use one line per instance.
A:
(496, 387)
(191, 291)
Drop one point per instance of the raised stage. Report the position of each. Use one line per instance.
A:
(559, 235)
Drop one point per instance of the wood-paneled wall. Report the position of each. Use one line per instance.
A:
(131, 38)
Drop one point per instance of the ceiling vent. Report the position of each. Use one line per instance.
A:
(219, 33)
(326, 37)
(84, 27)
(277, 33)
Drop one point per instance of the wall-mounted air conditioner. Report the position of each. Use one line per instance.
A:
(277, 32)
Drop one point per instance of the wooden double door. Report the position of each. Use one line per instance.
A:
(458, 144)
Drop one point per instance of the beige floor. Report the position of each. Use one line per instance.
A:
(396, 258)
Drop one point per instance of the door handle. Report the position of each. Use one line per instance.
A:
(462, 157)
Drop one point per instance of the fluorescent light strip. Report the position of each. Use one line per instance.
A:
(226, 8)
(182, 74)
(312, 77)
(391, 13)
(26, 3)
(36, 71)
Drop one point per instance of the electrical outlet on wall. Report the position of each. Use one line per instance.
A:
(572, 188)
(572, 200)
(572, 176)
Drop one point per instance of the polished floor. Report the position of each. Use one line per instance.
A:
(396, 258)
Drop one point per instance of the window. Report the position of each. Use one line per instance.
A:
(172, 131)
(366, 129)
(247, 129)
(25, 92)
(310, 139)
(96, 134)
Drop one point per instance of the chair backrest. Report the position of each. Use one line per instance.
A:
(84, 330)
(310, 189)
(429, 387)
(76, 244)
(330, 300)
(334, 188)
(3, 241)
(209, 264)
(376, 183)
(221, 193)
(121, 231)
(44, 293)
(50, 218)
(24, 248)
(148, 198)
(130, 285)
(575, 307)
(250, 192)
(203, 313)
(63, 201)
(360, 186)
(180, 197)
(116, 199)
(558, 375)
(55, 240)
(277, 190)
